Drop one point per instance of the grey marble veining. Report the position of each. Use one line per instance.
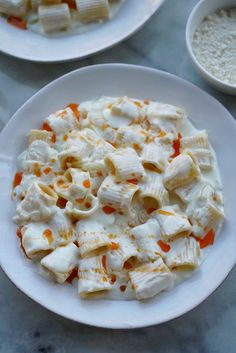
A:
(26, 327)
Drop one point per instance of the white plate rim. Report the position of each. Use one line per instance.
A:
(150, 321)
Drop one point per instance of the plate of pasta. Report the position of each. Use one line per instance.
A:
(61, 30)
(118, 199)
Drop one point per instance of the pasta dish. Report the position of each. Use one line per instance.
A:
(120, 196)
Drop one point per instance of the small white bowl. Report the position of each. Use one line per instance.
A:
(199, 12)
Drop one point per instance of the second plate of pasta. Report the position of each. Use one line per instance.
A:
(61, 30)
(123, 191)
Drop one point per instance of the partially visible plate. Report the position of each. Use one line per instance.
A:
(137, 82)
(35, 47)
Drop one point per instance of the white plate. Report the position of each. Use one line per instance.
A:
(143, 83)
(34, 47)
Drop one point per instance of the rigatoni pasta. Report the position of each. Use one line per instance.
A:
(48, 17)
(119, 194)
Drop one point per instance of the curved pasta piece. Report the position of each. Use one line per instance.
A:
(54, 18)
(43, 135)
(153, 157)
(186, 192)
(205, 218)
(146, 237)
(207, 192)
(137, 214)
(73, 185)
(181, 171)
(102, 148)
(199, 140)
(72, 158)
(93, 276)
(123, 112)
(37, 240)
(165, 117)
(185, 253)
(61, 262)
(92, 237)
(39, 204)
(153, 193)
(131, 136)
(14, 8)
(40, 151)
(82, 210)
(95, 162)
(204, 158)
(62, 121)
(124, 251)
(21, 189)
(173, 223)
(118, 196)
(93, 10)
(150, 279)
(62, 227)
(124, 164)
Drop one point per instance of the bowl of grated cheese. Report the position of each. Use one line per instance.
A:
(211, 42)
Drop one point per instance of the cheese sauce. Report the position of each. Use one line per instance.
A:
(106, 124)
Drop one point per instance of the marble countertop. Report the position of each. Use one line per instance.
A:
(26, 327)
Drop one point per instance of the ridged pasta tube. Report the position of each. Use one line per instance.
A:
(40, 135)
(118, 196)
(185, 253)
(173, 222)
(204, 158)
(63, 227)
(153, 193)
(153, 157)
(93, 276)
(205, 218)
(35, 242)
(150, 279)
(124, 164)
(73, 185)
(146, 236)
(78, 210)
(38, 204)
(126, 250)
(92, 237)
(186, 192)
(55, 17)
(72, 157)
(93, 10)
(62, 121)
(199, 140)
(181, 171)
(61, 262)
(13, 7)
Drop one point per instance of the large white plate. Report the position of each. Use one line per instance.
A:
(34, 47)
(138, 82)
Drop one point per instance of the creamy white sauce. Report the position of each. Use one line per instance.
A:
(115, 224)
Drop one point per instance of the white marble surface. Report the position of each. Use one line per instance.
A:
(26, 327)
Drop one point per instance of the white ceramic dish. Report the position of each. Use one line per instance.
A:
(199, 12)
(34, 47)
(138, 82)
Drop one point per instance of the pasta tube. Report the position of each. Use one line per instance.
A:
(150, 279)
(55, 17)
(61, 262)
(13, 7)
(124, 164)
(92, 10)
